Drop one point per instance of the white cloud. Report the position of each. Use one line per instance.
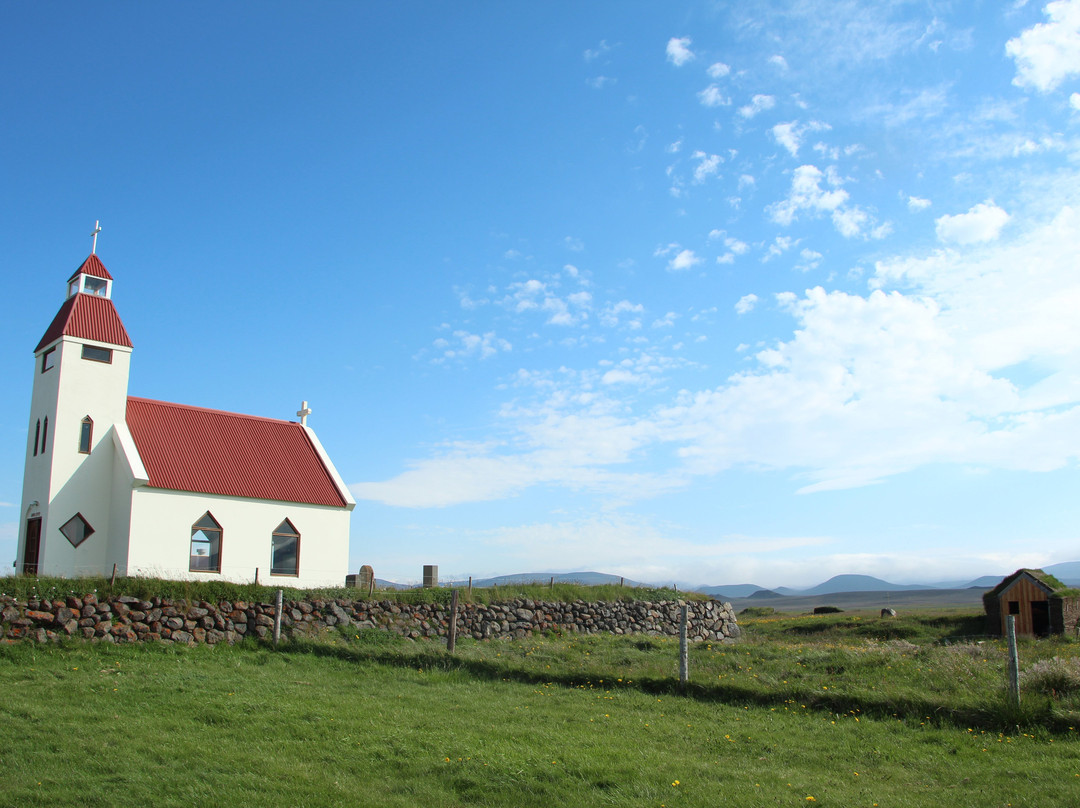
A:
(746, 303)
(864, 387)
(736, 246)
(790, 135)
(685, 259)
(809, 259)
(746, 181)
(467, 345)
(708, 166)
(600, 82)
(1074, 101)
(612, 315)
(573, 243)
(806, 194)
(779, 62)
(678, 51)
(915, 204)
(674, 148)
(1048, 53)
(780, 245)
(759, 103)
(712, 96)
(982, 223)
(717, 70)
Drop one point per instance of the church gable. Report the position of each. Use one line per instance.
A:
(205, 451)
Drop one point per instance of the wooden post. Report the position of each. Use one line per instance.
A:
(470, 586)
(277, 618)
(551, 583)
(622, 582)
(1014, 661)
(256, 576)
(451, 635)
(684, 651)
(112, 581)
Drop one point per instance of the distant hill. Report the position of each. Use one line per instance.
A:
(729, 591)
(858, 583)
(764, 594)
(1067, 572)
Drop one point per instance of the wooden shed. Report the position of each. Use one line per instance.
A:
(1041, 604)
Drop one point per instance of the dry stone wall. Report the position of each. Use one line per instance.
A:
(129, 619)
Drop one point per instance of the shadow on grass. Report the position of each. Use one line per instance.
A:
(995, 714)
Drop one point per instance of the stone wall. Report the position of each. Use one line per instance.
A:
(129, 619)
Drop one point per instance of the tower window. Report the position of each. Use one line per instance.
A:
(97, 354)
(94, 286)
(76, 530)
(205, 545)
(86, 434)
(48, 359)
(37, 436)
(44, 433)
(285, 552)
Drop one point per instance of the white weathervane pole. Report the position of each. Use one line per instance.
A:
(97, 229)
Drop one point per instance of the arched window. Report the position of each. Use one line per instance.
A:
(37, 436)
(205, 545)
(45, 433)
(86, 434)
(285, 550)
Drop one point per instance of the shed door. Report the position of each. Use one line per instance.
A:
(1040, 618)
(33, 545)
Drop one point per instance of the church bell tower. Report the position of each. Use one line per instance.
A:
(79, 393)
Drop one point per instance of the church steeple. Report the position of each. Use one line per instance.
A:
(91, 278)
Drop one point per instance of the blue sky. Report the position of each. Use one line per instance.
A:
(697, 292)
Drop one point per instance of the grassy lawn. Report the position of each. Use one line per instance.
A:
(803, 712)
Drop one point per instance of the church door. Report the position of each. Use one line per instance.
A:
(33, 544)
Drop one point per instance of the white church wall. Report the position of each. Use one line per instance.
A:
(160, 545)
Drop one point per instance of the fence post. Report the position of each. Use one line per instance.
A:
(277, 618)
(684, 653)
(451, 635)
(112, 581)
(1014, 661)
(470, 585)
(551, 583)
(256, 576)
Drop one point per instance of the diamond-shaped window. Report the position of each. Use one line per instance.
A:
(76, 530)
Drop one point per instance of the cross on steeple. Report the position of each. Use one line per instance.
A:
(303, 412)
(97, 229)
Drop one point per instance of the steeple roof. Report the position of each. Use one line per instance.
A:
(92, 266)
(86, 316)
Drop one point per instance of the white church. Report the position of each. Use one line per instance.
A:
(165, 490)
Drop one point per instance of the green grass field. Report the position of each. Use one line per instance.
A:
(839, 710)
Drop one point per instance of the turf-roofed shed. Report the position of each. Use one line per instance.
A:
(1041, 604)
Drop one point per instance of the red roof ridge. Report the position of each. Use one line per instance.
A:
(210, 410)
(92, 266)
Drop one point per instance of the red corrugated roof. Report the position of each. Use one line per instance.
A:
(92, 266)
(87, 317)
(212, 452)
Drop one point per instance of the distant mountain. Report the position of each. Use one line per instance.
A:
(858, 583)
(764, 594)
(584, 578)
(729, 591)
(1067, 572)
